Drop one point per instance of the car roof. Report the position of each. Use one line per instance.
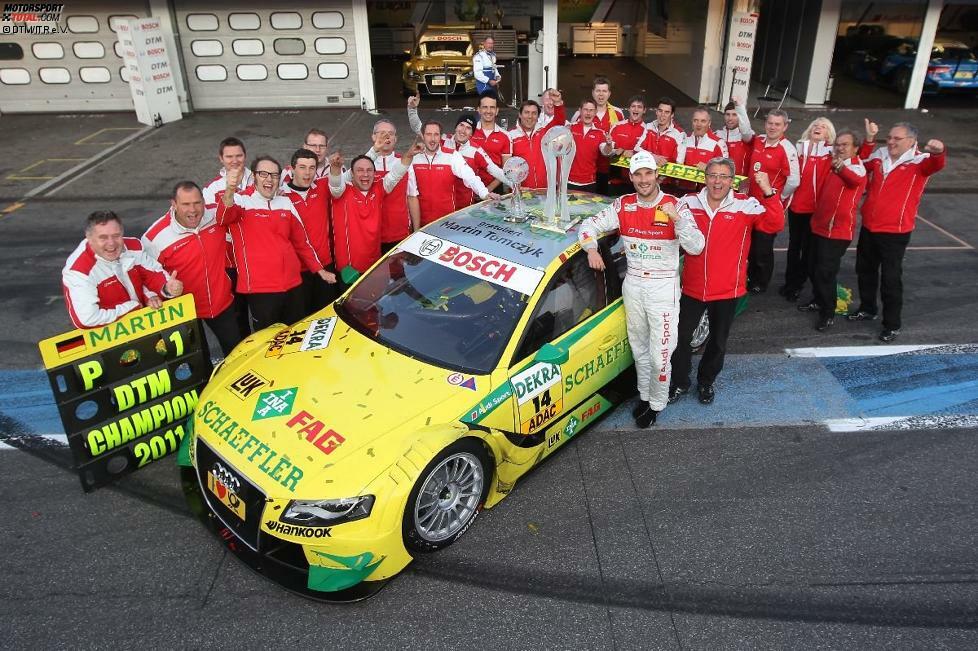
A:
(482, 227)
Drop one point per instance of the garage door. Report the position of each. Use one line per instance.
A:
(80, 70)
(299, 54)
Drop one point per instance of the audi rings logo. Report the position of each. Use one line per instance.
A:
(430, 247)
(226, 478)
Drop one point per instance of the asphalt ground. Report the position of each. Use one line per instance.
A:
(737, 532)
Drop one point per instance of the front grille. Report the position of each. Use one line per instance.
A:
(246, 530)
(435, 81)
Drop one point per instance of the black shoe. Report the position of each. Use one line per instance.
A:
(706, 394)
(640, 408)
(861, 315)
(825, 324)
(792, 295)
(811, 306)
(646, 418)
(889, 335)
(675, 393)
(756, 289)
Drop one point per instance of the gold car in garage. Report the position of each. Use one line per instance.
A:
(442, 58)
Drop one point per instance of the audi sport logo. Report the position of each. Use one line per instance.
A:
(430, 247)
(226, 478)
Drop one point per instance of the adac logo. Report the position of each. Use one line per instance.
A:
(430, 247)
(275, 403)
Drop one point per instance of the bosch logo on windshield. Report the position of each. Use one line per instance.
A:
(430, 247)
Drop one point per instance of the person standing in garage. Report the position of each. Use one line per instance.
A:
(484, 69)
(898, 174)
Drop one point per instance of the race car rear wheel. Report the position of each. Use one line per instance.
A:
(447, 497)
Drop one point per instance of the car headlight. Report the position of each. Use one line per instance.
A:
(468, 75)
(324, 513)
(412, 74)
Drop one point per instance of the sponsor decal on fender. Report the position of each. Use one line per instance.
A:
(474, 263)
(297, 531)
(534, 380)
(245, 385)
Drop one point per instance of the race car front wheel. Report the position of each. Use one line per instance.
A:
(447, 497)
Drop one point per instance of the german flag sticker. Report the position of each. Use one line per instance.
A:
(70, 346)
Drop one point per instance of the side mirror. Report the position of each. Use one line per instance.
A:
(550, 354)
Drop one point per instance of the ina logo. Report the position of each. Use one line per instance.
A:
(571, 426)
(643, 248)
(275, 403)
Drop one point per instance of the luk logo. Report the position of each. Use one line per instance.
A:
(245, 385)
(275, 403)
(430, 247)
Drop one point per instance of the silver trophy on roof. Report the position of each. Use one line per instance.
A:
(558, 156)
(516, 169)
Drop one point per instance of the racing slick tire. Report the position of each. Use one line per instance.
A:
(447, 497)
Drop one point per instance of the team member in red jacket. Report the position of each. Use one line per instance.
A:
(834, 224)
(701, 145)
(269, 241)
(309, 195)
(898, 174)
(814, 162)
(358, 198)
(606, 116)
(431, 179)
(652, 230)
(714, 279)
(489, 136)
(626, 136)
(738, 135)
(663, 137)
(187, 241)
(395, 220)
(776, 157)
(592, 144)
(479, 161)
(528, 136)
(108, 275)
(317, 142)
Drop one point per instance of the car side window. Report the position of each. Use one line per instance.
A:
(572, 296)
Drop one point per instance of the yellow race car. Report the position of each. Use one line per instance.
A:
(441, 59)
(328, 453)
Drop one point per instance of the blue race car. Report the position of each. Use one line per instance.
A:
(953, 66)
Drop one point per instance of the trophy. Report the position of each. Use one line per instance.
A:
(516, 169)
(558, 155)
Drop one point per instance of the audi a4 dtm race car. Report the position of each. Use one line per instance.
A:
(328, 453)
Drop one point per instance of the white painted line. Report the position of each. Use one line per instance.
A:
(856, 351)
(57, 438)
(894, 423)
(90, 163)
(953, 237)
(916, 248)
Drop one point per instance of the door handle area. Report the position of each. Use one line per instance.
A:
(608, 342)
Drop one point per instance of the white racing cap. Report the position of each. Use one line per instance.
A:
(642, 159)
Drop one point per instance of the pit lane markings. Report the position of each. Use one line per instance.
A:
(16, 176)
(964, 246)
(85, 140)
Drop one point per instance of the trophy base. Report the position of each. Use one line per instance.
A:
(556, 226)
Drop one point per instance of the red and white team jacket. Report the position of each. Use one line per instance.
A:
(835, 212)
(814, 163)
(197, 256)
(720, 271)
(780, 161)
(895, 188)
(269, 241)
(627, 136)
(701, 149)
(589, 140)
(217, 184)
(312, 204)
(605, 121)
(651, 247)
(395, 220)
(431, 178)
(98, 292)
(358, 217)
(496, 143)
(666, 143)
(527, 145)
(480, 163)
(739, 141)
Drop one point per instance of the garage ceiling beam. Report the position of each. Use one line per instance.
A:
(928, 31)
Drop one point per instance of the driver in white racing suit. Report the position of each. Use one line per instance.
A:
(652, 231)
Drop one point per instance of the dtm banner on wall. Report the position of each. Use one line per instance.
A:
(147, 62)
(124, 390)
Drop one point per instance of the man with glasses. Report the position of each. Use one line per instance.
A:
(716, 278)
(897, 175)
(395, 221)
(652, 230)
(269, 242)
(315, 141)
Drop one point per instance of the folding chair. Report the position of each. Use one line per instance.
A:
(776, 91)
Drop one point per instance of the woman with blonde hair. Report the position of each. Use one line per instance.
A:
(814, 162)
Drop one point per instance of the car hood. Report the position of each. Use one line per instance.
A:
(437, 63)
(335, 404)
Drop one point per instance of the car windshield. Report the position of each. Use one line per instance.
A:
(952, 52)
(435, 313)
(444, 48)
